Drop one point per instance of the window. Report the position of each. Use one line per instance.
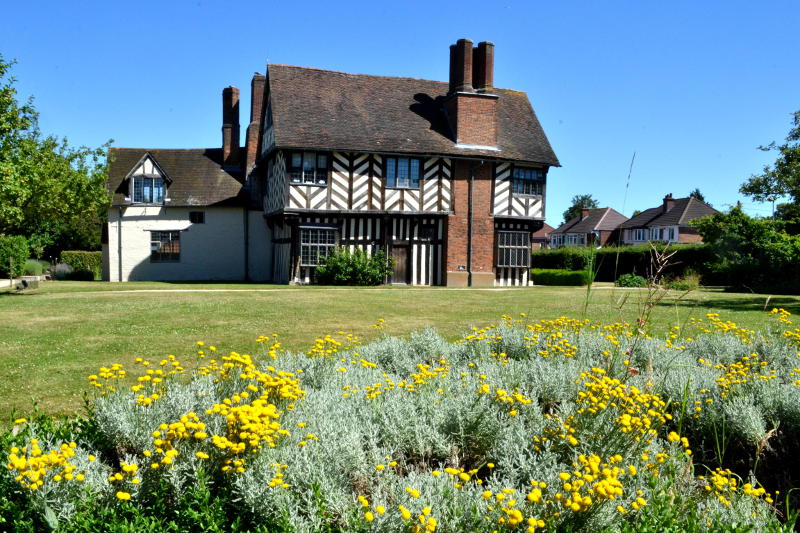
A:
(513, 249)
(316, 243)
(526, 180)
(308, 168)
(147, 190)
(402, 172)
(655, 234)
(165, 246)
(197, 217)
(639, 234)
(575, 239)
(672, 234)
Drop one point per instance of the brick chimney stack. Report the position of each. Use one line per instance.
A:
(471, 107)
(483, 67)
(252, 141)
(584, 212)
(230, 127)
(669, 202)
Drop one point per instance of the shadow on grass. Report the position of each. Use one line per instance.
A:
(741, 302)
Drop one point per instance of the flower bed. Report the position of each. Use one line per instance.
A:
(520, 425)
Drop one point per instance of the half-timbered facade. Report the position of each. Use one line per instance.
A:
(447, 178)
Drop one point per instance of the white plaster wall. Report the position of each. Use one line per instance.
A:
(210, 251)
(260, 254)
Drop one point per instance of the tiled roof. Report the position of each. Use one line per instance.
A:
(543, 233)
(197, 177)
(326, 110)
(683, 211)
(602, 219)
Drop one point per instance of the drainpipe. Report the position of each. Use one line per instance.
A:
(119, 243)
(246, 245)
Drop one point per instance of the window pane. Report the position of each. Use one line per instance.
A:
(158, 186)
(402, 172)
(297, 160)
(138, 190)
(415, 173)
(391, 172)
(322, 169)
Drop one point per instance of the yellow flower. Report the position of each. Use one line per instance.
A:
(369, 516)
(123, 496)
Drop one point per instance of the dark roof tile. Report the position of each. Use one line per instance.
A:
(683, 211)
(330, 110)
(602, 219)
(197, 177)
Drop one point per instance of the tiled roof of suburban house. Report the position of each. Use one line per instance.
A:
(682, 212)
(197, 177)
(602, 219)
(327, 110)
(543, 233)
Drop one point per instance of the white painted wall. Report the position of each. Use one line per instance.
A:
(210, 251)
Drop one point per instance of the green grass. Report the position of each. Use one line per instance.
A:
(53, 337)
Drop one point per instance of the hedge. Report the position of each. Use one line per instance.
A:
(554, 276)
(13, 251)
(610, 263)
(83, 263)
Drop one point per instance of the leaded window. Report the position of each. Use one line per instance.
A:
(513, 249)
(315, 245)
(402, 172)
(147, 190)
(308, 168)
(527, 180)
(165, 246)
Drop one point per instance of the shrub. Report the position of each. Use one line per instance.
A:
(554, 276)
(631, 280)
(13, 251)
(341, 267)
(690, 281)
(86, 266)
(609, 263)
(35, 267)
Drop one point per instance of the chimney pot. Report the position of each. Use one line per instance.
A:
(461, 66)
(230, 126)
(483, 67)
(669, 202)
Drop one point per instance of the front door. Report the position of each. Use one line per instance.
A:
(401, 271)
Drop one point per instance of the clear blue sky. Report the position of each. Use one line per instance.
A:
(692, 87)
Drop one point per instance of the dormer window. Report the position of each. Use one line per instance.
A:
(147, 190)
(528, 181)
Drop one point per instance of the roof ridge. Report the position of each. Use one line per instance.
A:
(163, 149)
(382, 76)
(605, 212)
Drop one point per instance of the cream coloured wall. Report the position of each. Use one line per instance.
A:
(210, 251)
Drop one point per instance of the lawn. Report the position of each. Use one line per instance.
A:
(54, 336)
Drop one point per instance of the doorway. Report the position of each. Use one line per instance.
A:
(400, 269)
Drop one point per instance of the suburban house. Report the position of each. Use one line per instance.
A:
(668, 222)
(541, 239)
(593, 227)
(448, 178)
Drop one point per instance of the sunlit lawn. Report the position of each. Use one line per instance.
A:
(53, 337)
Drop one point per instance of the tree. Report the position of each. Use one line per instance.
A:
(782, 178)
(751, 253)
(46, 186)
(579, 201)
(698, 195)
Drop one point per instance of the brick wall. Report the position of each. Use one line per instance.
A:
(482, 221)
(474, 118)
(689, 236)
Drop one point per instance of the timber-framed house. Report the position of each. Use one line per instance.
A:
(448, 178)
